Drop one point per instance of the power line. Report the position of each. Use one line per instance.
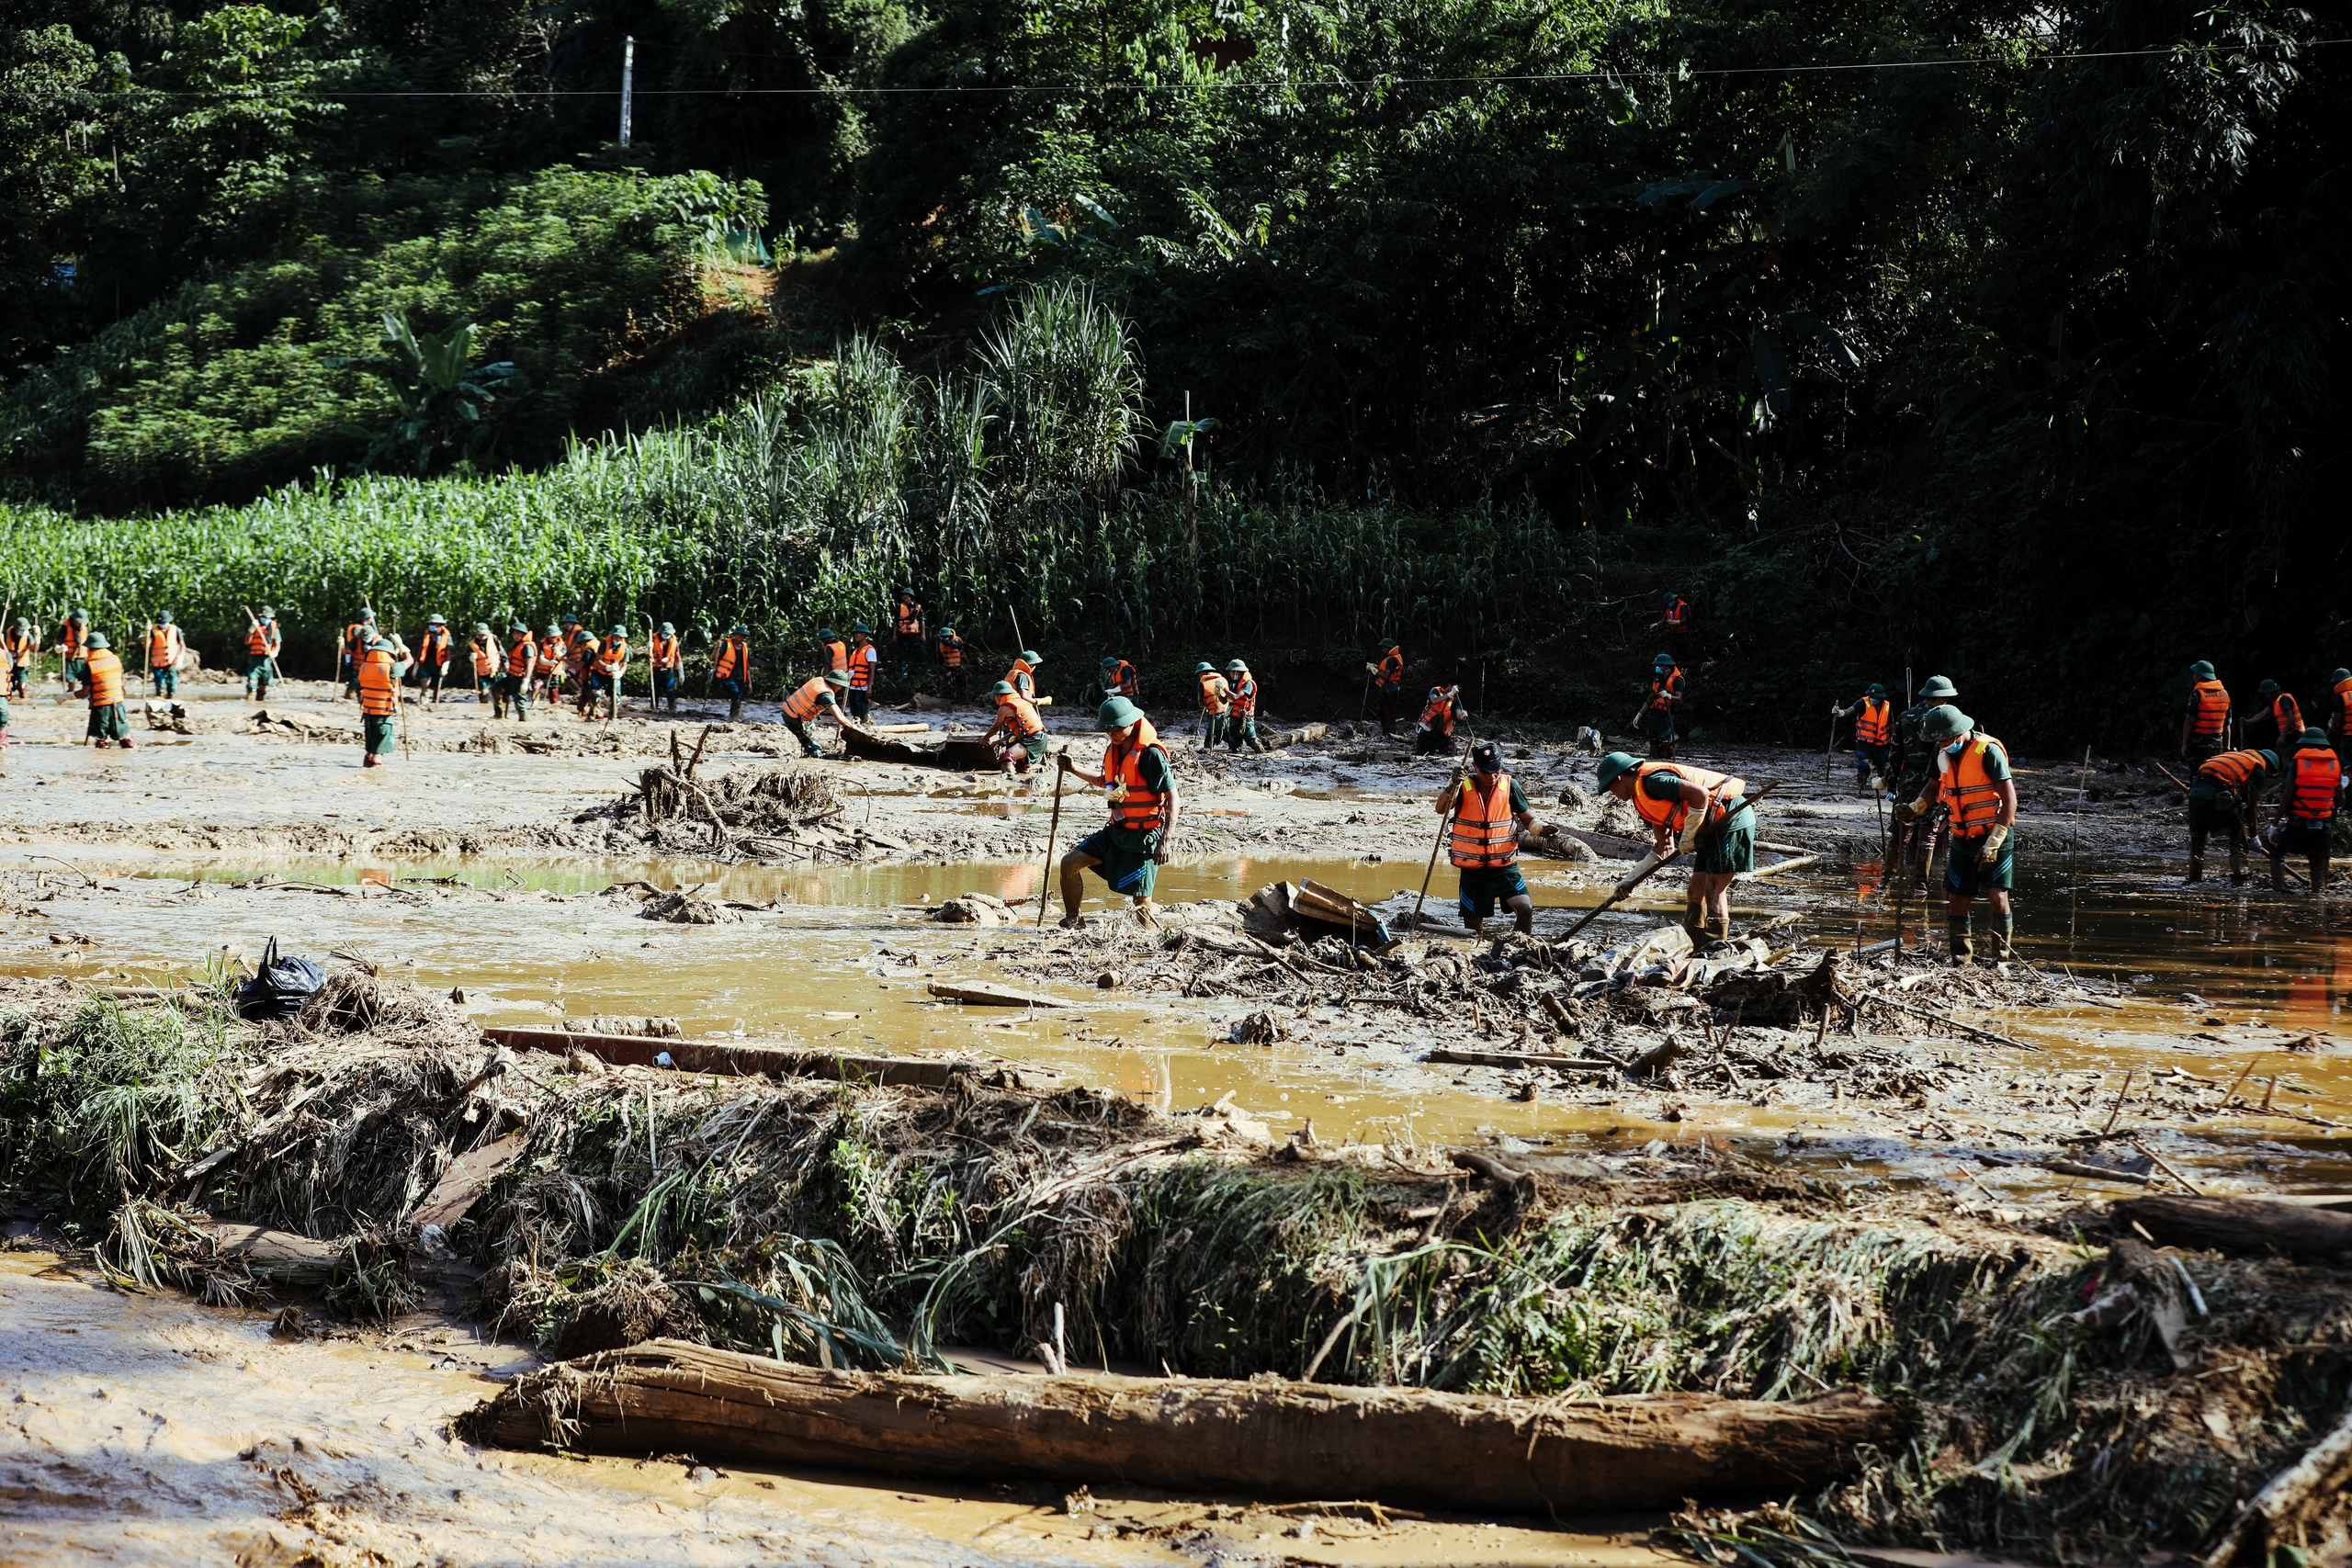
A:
(1223, 84)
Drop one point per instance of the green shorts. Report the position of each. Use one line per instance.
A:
(2297, 835)
(1129, 870)
(1485, 886)
(1733, 850)
(257, 670)
(1965, 877)
(2215, 814)
(109, 723)
(383, 732)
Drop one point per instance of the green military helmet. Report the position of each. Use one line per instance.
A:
(1110, 661)
(1663, 658)
(620, 631)
(947, 631)
(2202, 669)
(1001, 689)
(861, 629)
(1878, 689)
(554, 630)
(1237, 668)
(1670, 595)
(1387, 643)
(1117, 714)
(826, 634)
(267, 614)
(24, 624)
(1204, 668)
(570, 620)
(669, 630)
(1938, 686)
(164, 618)
(510, 627)
(77, 615)
(2268, 689)
(838, 677)
(740, 630)
(2269, 760)
(96, 639)
(481, 629)
(1945, 723)
(1031, 656)
(381, 645)
(2313, 736)
(1612, 767)
(2335, 675)
(436, 621)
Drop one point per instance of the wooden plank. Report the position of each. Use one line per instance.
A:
(1256, 1438)
(1518, 1059)
(2242, 1226)
(980, 993)
(464, 1180)
(732, 1059)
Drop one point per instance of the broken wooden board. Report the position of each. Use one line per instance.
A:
(1315, 911)
(1258, 1438)
(980, 994)
(1520, 1059)
(730, 1059)
(954, 756)
(464, 1180)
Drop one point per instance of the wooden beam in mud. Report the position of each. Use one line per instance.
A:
(979, 994)
(1260, 1440)
(731, 1060)
(2242, 1226)
(1520, 1059)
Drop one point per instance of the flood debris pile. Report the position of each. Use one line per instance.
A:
(791, 814)
(2050, 1412)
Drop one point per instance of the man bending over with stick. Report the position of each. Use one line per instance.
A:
(1678, 800)
(1129, 851)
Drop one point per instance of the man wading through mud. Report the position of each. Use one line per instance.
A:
(1973, 784)
(1489, 809)
(1132, 848)
(1664, 794)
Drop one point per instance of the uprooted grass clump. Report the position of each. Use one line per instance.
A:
(862, 1225)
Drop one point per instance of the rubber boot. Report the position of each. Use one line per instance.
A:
(735, 710)
(2238, 877)
(1957, 939)
(1694, 924)
(2196, 858)
(2004, 930)
(2278, 873)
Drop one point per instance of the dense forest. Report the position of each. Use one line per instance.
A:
(2001, 340)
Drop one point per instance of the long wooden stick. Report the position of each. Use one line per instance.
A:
(1053, 831)
(1445, 825)
(1707, 835)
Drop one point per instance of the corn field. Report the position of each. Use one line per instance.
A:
(1021, 485)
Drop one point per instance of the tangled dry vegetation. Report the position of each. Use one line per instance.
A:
(858, 1225)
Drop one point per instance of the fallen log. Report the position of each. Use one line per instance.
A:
(1261, 1439)
(729, 1059)
(1558, 1063)
(980, 995)
(2242, 1226)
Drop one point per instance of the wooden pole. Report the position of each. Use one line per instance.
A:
(1707, 835)
(1445, 825)
(1053, 831)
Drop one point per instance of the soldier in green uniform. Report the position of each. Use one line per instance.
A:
(1913, 763)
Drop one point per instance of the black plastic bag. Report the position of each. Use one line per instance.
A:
(280, 987)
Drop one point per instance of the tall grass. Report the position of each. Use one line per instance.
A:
(1008, 487)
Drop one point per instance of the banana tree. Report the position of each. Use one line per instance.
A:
(443, 408)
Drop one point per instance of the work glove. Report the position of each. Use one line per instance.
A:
(1692, 825)
(1372, 668)
(1907, 811)
(1626, 883)
(1995, 837)
(1877, 783)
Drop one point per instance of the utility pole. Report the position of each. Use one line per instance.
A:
(628, 73)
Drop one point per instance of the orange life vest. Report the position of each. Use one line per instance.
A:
(264, 640)
(522, 656)
(1969, 792)
(2343, 702)
(2208, 701)
(1215, 695)
(1437, 713)
(1484, 833)
(1870, 725)
(550, 652)
(862, 661)
(1392, 667)
(1677, 616)
(733, 653)
(2231, 769)
(836, 656)
(379, 695)
(164, 646)
(577, 649)
(1018, 716)
(1023, 676)
(1665, 688)
(665, 654)
(2316, 776)
(1245, 696)
(483, 652)
(1135, 804)
(356, 638)
(1124, 683)
(22, 646)
(1671, 814)
(2288, 716)
(432, 648)
(106, 677)
(611, 656)
(804, 702)
(70, 638)
(951, 653)
(909, 618)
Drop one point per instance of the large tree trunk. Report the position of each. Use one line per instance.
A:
(2244, 1226)
(1267, 1439)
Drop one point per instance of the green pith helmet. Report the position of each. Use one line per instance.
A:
(25, 625)
(1663, 658)
(164, 618)
(2313, 736)
(1612, 767)
(2202, 669)
(1110, 661)
(669, 630)
(77, 615)
(96, 639)
(572, 620)
(861, 629)
(2268, 689)
(838, 677)
(1670, 595)
(267, 614)
(947, 631)
(2269, 760)
(1117, 714)
(825, 634)
(481, 629)
(1945, 723)
(740, 630)
(2335, 675)
(1001, 689)
(620, 631)
(1937, 686)
(1204, 668)
(1031, 656)
(436, 621)
(512, 627)
(554, 630)
(1387, 643)
(1237, 668)
(381, 645)
(1878, 689)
